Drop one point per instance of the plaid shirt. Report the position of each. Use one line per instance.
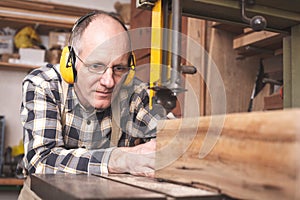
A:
(77, 141)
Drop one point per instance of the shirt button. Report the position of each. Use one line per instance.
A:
(88, 122)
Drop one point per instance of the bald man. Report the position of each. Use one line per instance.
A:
(72, 133)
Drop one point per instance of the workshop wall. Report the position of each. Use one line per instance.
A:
(238, 73)
(10, 103)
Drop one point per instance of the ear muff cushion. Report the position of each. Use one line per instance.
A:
(66, 65)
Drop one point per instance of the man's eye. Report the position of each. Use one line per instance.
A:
(97, 67)
(120, 68)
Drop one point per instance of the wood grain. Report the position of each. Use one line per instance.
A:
(255, 156)
(168, 189)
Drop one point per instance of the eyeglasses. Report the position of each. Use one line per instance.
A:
(118, 70)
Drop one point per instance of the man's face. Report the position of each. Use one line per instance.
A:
(103, 43)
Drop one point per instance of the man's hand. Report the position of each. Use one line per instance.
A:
(137, 160)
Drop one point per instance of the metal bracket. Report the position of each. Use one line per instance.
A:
(257, 23)
(145, 4)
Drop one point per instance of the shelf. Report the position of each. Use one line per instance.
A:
(262, 42)
(17, 66)
(11, 181)
(250, 43)
(44, 16)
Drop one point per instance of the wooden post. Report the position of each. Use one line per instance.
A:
(255, 156)
(287, 73)
(291, 68)
(295, 61)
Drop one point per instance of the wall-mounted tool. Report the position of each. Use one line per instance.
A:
(261, 80)
(257, 23)
(259, 84)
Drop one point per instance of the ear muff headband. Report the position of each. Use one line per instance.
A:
(68, 58)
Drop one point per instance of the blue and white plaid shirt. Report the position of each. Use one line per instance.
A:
(79, 141)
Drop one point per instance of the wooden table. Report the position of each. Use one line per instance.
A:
(69, 186)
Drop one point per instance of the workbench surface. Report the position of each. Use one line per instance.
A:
(69, 186)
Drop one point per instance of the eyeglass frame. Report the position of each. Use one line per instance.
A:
(106, 67)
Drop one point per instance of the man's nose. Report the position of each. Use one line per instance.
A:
(107, 78)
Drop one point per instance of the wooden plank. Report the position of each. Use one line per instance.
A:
(237, 75)
(254, 158)
(194, 84)
(248, 30)
(45, 6)
(17, 66)
(36, 16)
(273, 102)
(41, 24)
(70, 186)
(11, 181)
(254, 38)
(169, 189)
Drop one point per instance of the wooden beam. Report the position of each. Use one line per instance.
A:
(51, 25)
(17, 66)
(255, 156)
(33, 5)
(253, 38)
(11, 181)
(36, 16)
(195, 82)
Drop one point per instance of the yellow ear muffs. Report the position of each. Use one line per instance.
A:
(131, 72)
(67, 62)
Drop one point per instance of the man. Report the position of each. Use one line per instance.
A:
(73, 135)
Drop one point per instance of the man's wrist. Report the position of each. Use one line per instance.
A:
(117, 161)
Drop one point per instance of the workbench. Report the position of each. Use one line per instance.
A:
(121, 186)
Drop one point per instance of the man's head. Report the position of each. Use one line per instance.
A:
(102, 48)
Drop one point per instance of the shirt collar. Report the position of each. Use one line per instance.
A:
(72, 101)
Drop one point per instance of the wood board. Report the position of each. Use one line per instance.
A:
(255, 156)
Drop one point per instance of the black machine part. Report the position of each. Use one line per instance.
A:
(166, 98)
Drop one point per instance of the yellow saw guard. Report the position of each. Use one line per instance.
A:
(156, 48)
